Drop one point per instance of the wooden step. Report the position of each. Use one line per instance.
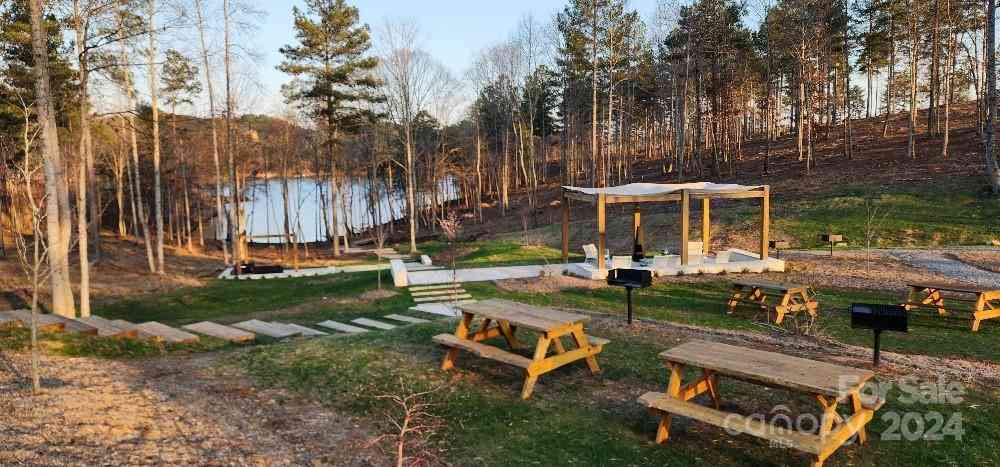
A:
(265, 329)
(105, 328)
(420, 288)
(430, 293)
(805, 442)
(46, 322)
(305, 331)
(220, 331)
(406, 319)
(483, 350)
(165, 333)
(442, 298)
(373, 324)
(341, 327)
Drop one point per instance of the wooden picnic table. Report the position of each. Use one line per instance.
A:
(792, 298)
(829, 384)
(985, 301)
(504, 318)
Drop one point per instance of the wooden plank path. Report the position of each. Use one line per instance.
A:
(442, 298)
(420, 288)
(220, 331)
(431, 293)
(266, 329)
(373, 324)
(406, 319)
(341, 327)
(166, 333)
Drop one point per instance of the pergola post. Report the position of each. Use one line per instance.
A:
(565, 229)
(685, 221)
(706, 226)
(765, 222)
(601, 231)
(637, 226)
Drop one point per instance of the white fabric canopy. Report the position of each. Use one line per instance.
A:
(648, 189)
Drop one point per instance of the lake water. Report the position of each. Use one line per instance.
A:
(307, 198)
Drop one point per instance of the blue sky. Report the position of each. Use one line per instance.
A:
(454, 30)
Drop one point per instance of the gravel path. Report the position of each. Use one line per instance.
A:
(951, 268)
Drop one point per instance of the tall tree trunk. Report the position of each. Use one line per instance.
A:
(83, 230)
(914, 54)
(600, 176)
(236, 235)
(992, 169)
(154, 87)
(220, 214)
(57, 193)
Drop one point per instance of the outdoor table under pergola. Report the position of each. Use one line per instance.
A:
(644, 193)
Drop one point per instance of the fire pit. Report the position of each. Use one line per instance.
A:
(630, 279)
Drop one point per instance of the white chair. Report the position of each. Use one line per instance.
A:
(590, 253)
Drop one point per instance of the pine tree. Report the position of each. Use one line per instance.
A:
(331, 58)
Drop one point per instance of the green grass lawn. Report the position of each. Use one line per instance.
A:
(499, 252)
(575, 418)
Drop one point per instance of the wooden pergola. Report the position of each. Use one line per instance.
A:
(641, 193)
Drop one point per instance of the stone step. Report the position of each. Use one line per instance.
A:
(406, 319)
(46, 322)
(220, 331)
(106, 328)
(418, 288)
(373, 324)
(305, 331)
(431, 293)
(341, 327)
(442, 298)
(440, 309)
(130, 325)
(166, 333)
(8, 320)
(265, 329)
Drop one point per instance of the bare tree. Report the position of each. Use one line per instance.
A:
(154, 88)
(992, 169)
(57, 208)
(410, 76)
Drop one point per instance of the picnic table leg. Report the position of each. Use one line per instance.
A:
(735, 299)
(985, 309)
(583, 343)
(934, 298)
(508, 334)
(541, 350)
(782, 308)
(462, 332)
(858, 408)
(673, 389)
(830, 415)
(713, 386)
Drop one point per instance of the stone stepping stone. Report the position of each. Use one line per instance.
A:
(373, 324)
(220, 331)
(341, 327)
(266, 329)
(440, 309)
(305, 331)
(442, 298)
(8, 321)
(418, 288)
(166, 333)
(46, 322)
(406, 319)
(430, 293)
(106, 328)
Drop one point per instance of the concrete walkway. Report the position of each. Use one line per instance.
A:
(951, 268)
(445, 276)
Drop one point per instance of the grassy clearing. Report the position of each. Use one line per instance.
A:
(703, 304)
(497, 252)
(574, 418)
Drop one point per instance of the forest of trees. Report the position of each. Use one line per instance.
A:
(105, 123)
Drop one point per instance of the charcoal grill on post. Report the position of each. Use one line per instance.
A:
(879, 318)
(630, 279)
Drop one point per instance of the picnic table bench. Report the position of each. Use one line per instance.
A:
(829, 384)
(792, 298)
(504, 318)
(985, 301)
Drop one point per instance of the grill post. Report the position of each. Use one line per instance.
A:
(628, 291)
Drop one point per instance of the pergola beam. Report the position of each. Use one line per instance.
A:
(601, 231)
(685, 225)
(565, 229)
(706, 226)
